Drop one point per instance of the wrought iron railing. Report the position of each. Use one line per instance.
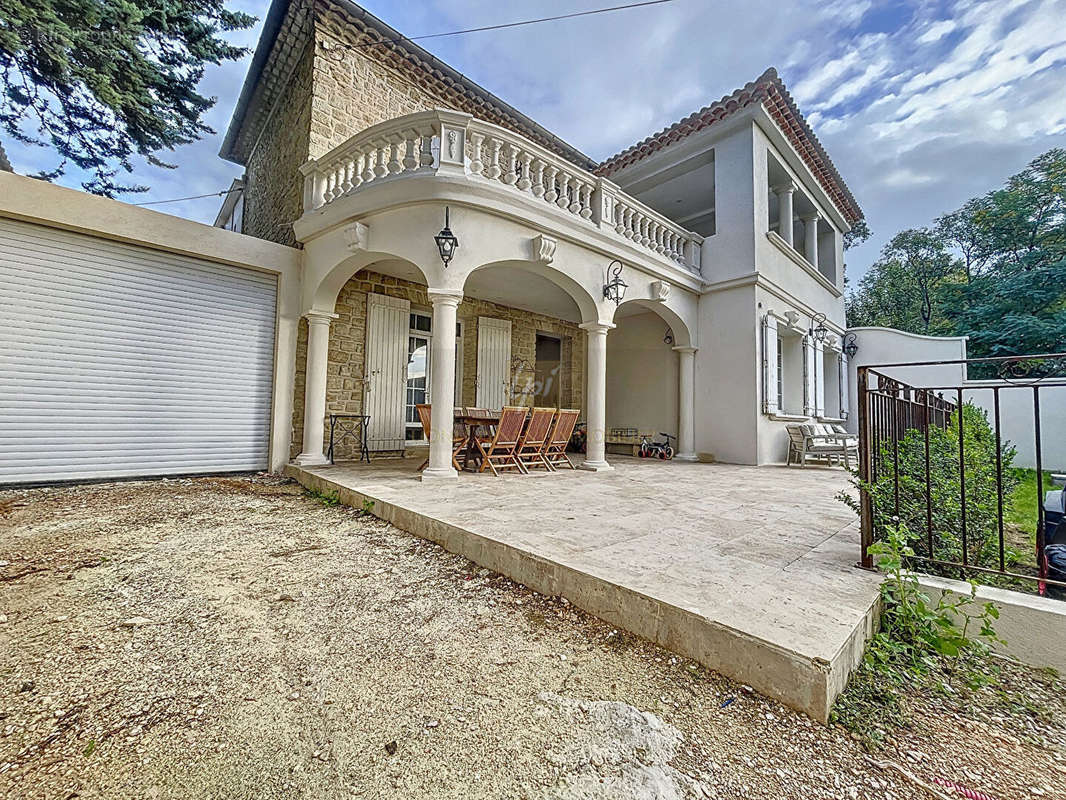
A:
(932, 459)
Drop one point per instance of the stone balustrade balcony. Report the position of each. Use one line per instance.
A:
(456, 145)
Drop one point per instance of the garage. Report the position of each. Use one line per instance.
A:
(120, 360)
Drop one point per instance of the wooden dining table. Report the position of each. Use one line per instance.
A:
(472, 423)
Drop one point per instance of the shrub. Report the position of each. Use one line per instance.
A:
(944, 501)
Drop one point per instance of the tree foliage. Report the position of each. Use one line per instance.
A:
(102, 81)
(994, 270)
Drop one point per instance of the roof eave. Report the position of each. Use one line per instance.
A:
(271, 26)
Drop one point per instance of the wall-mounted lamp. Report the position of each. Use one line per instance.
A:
(669, 338)
(818, 329)
(615, 288)
(851, 346)
(446, 241)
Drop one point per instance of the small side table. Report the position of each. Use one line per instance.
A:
(349, 426)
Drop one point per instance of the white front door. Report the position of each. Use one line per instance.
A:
(385, 381)
(493, 362)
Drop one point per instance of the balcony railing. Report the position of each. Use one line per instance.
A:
(412, 145)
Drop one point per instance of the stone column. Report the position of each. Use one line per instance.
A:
(596, 384)
(784, 209)
(315, 387)
(686, 417)
(810, 235)
(442, 385)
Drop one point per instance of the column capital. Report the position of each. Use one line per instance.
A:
(684, 348)
(787, 187)
(810, 216)
(314, 317)
(448, 297)
(597, 327)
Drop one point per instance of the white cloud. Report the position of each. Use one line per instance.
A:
(919, 114)
(937, 31)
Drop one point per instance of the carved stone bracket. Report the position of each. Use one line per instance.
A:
(357, 237)
(544, 249)
(660, 290)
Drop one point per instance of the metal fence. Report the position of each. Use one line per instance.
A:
(914, 467)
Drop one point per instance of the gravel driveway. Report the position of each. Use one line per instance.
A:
(237, 638)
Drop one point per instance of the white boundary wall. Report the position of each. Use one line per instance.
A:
(43, 203)
(890, 346)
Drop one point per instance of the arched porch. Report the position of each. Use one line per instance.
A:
(376, 289)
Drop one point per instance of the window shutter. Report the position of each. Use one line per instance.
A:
(843, 384)
(385, 382)
(771, 402)
(819, 380)
(493, 362)
(809, 376)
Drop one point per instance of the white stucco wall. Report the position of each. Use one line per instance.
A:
(889, 346)
(1017, 420)
(642, 376)
(727, 376)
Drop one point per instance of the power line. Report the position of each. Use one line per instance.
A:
(572, 15)
(194, 197)
(399, 39)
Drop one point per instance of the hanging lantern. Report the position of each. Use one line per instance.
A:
(447, 244)
(615, 288)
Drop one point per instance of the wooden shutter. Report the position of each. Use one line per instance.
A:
(493, 362)
(771, 402)
(387, 323)
(819, 380)
(810, 378)
(843, 384)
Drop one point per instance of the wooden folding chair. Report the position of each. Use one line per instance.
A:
(500, 450)
(555, 447)
(530, 450)
(459, 434)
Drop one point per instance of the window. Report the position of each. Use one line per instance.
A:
(419, 346)
(790, 375)
(418, 342)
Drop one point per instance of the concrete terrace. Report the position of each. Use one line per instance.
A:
(749, 570)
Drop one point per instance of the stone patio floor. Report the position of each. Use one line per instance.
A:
(750, 570)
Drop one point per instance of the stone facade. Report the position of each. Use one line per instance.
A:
(339, 87)
(344, 375)
(274, 193)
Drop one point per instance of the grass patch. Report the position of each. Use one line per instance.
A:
(1022, 509)
(329, 499)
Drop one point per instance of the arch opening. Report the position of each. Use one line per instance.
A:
(643, 375)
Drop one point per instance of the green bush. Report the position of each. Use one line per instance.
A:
(945, 490)
(921, 645)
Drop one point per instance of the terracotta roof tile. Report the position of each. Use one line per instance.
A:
(769, 90)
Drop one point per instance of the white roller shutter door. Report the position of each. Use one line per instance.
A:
(120, 361)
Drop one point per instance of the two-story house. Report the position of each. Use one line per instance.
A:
(691, 284)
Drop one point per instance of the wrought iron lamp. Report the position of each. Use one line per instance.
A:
(446, 241)
(851, 346)
(615, 288)
(818, 329)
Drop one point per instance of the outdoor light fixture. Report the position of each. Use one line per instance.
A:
(446, 241)
(669, 337)
(819, 331)
(615, 288)
(851, 347)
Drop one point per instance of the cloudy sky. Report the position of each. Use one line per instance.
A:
(920, 104)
